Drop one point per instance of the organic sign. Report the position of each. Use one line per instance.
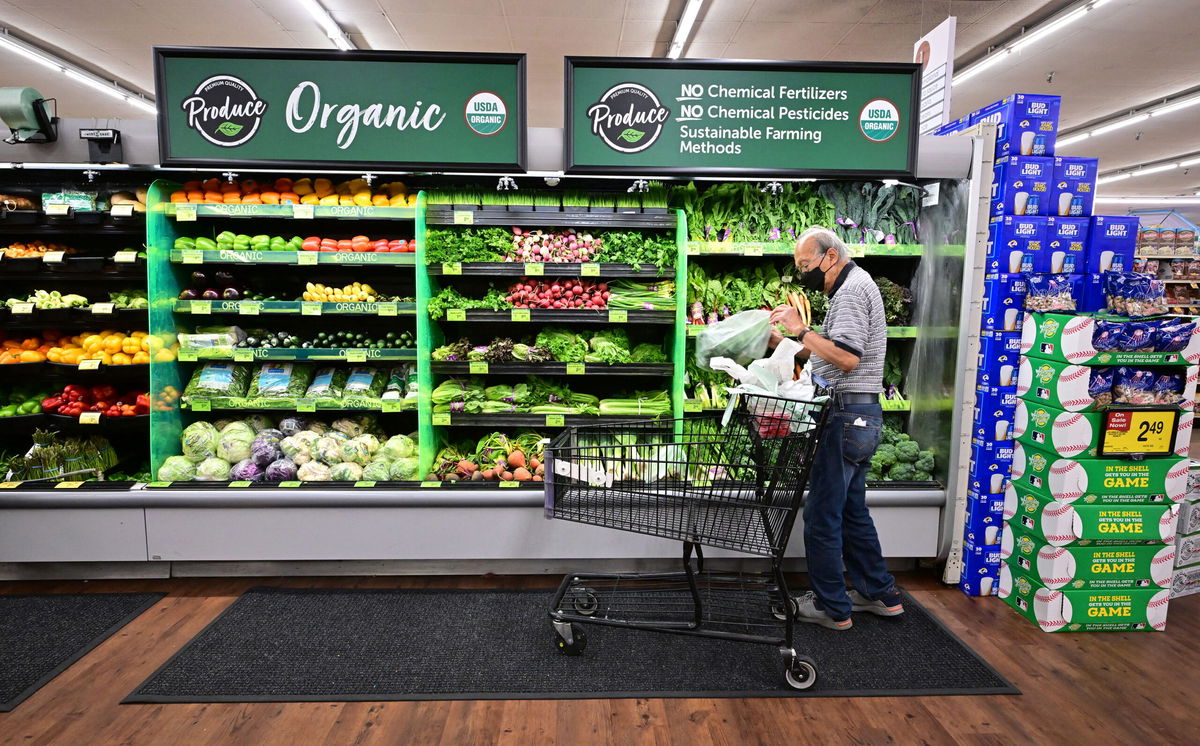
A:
(715, 117)
(308, 108)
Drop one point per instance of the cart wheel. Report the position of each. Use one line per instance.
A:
(801, 673)
(585, 602)
(778, 612)
(575, 648)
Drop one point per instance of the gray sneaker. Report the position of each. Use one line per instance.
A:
(807, 610)
(890, 604)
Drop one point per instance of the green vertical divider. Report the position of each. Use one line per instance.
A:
(679, 342)
(166, 378)
(425, 345)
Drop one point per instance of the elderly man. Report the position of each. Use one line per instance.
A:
(848, 354)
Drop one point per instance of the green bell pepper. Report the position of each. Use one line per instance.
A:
(206, 244)
(9, 411)
(278, 244)
(30, 407)
(226, 236)
(185, 243)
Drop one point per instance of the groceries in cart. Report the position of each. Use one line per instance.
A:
(742, 337)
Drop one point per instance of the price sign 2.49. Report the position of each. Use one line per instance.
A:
(1139, 432)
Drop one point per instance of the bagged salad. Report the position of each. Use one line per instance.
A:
(218, 379)
(280, 381)
(365, 382)
(327, 383)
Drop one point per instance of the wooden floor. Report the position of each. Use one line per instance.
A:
(1095, 689)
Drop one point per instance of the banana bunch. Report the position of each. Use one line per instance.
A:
(356, 293)
(355, 192)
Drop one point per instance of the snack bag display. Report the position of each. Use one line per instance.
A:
(1100, 386)
(1050, 293)
(1173, 337)
(1134, 386)
(1135, 295)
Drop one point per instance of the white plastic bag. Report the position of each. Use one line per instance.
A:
(742, 337)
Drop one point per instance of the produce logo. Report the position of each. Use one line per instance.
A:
(486, 113)
(628, 117)
(225, 111)
(1023, 586)
(879, 120)
(1049, 328)
(1041, 417)
(1030, 503)
(1026, 545)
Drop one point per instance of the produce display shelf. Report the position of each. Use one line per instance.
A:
(299, 354)
(1189, 257)
(297, 258)
(92, 222)
(328, 485)
(289, 212)
(443, 216)
(90, 485)
(549, 269)
(693, 406)
(293, 308)
(508, 421)
(134, 318)
(297, 404)
(786, 248)
(1185, 281)
(893, 332)
(58, 274)
(660, 370)
(556, 316)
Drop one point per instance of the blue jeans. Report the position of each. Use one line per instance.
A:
(837, 525)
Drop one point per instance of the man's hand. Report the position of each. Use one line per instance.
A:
(789, 318)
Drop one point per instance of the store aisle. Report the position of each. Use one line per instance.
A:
(1074, 686)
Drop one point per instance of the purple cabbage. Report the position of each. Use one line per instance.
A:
(246, 471)
(293, 425)
(281, 470)
(263, 451)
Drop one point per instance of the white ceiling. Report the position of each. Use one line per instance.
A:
(1124, 54)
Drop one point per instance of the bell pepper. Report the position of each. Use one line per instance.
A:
(260, 242)
(185, 243)
(279, 244)
(102, 391)
(296, 242)
(311, 244)
(206, 244)
(226, 236)
(52, 403)
(241, 243)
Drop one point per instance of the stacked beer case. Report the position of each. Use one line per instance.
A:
(1187, 540)
(1096, 485)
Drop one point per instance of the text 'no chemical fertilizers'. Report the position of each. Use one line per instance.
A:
(776, 112)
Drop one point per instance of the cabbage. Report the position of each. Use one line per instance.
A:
(398, 446)
(283, 470)
(263, 451)
(370, 441)
(177, 469)
(306, 438)
(338, 436)
(291, 445)
(354, 426)
(238, 428)
(292, 425)
(318, 427)
(313, 472)
(377, 471)
(328, 450)
(302, 458)
(404, 469)
(222, 423)
(213, 470)
(258, 422)
(270, 434)
(346, 472)
(234, 444)
(199, 441)
(355, 452)
(246, 471)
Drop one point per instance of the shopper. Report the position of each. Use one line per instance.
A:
(848, 354)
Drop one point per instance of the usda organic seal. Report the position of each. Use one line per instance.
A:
(486, 113)
(879, 120)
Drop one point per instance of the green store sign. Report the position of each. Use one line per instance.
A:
(319, 109)
(731, 118)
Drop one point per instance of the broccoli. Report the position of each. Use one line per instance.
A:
(907, 452)
(874, 476)
(890, 436)
(902, 473)
(885, 456)
(922, 476)
(924, 462)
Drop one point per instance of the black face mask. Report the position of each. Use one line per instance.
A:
(814, 279)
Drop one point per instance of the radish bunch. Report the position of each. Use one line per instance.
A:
(561, 293)
(542, 246)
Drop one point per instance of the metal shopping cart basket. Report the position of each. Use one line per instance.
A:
(734, 482)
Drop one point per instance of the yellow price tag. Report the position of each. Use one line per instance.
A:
(125, 256)
(356, 356)
(387, 309)
(479, 368)
(456, 314)
(520, 314)
(464, 217)
(89, 364)
(21, 308)
(201, 405)
(122, 211)
(303, 212)
(392, 405)
(202, 307)
(9, 485)
(576, 369)
(58, 209)
(249, 307)
(452, 268)
(509, 485)
(187, 355)
(89, 418)
(310, 308)
(753, 249)
(54, 257)
(307, 258)
(192, 256)
(185, 213)
(68, 485)
(431, 485)
(367, 483)
(158, 485)
(1128, 431)
(240, 483)
(103, 309)
(441, 418)
(535, 269)
(555, 420)
(618, 317)
(242, 355)
(306, 405)
(691, 405)
(589, 269)
(290, 484)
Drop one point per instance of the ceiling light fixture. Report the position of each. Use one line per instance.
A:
(1028, 38)
(1157, 167)
(74, 72)
(1114, 177)
(1154, 169)
(1161, 110)
(684, 29)
(329, 26)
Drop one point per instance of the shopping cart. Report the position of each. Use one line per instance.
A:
(734, 482)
